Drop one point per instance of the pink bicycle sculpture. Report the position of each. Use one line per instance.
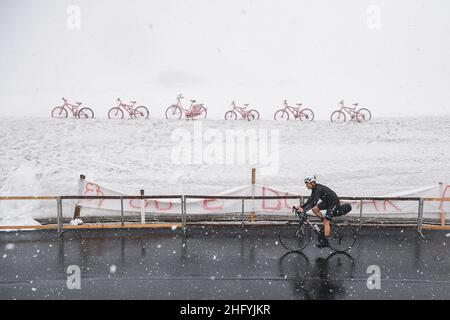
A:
(140, 112)
(196, 110)
(62, 111)
(297, 112)
(359, 115)
(232, 114)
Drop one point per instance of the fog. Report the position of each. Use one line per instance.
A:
(390, 56)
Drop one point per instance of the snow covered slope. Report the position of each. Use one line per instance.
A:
(42, 156)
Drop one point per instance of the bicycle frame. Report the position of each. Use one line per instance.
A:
(294, 110)
(242, 110)
(127, 107)
(350, 111)
(305, 220)
(187, 112)
(72, 108)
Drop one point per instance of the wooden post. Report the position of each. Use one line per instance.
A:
(77, 211)
(441, 194)
(253, 214)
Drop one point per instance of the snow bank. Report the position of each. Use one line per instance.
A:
(46, 156)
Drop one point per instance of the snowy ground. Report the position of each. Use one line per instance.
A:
(41, 156)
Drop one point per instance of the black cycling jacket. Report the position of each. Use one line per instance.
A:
(321, 192)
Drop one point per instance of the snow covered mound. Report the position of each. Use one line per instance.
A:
(379, 157)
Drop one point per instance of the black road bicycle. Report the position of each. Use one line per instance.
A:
(296, 235)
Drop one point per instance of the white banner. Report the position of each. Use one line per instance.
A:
(385, 208)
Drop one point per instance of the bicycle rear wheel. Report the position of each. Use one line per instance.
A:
(363, 114)
(294, 236)
(306, 115)
(141, 112)
(343, 236)
(86, 113)
(253, 114)
(201, 114)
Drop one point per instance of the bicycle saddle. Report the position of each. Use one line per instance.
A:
(299, 104)
(246, 104)
(132, 101)
(78, 103)
(355, 104)
(193, 101)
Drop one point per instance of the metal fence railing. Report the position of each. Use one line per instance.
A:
(183, 200)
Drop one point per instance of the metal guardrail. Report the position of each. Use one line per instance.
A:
(183, 200)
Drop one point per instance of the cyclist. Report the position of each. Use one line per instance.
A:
(329, 201)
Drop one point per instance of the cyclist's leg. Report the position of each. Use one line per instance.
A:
(326, 227)
(317, 208)
(331, 211)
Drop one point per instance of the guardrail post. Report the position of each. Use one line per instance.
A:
(243, 212)
(360, 212)
(121, 212)
(59, 215)
(142, 208)
(420, 218)
(183, 213)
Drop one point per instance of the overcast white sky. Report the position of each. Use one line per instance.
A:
(258, 52)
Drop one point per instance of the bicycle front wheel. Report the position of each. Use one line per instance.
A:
(281, 115)
(115, 113)
(59, 112)
(343, 236)
(230, 115)
(294, 236)
(173, 112)
(337, 116)
(141, 112)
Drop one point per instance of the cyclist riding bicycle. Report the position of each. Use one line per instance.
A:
(329, 201)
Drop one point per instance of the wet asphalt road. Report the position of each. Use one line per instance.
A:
(220, 263)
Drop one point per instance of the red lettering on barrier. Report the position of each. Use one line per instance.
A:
(264, 206)
(207, 207)
(97, 190)
(163, 209)
(374, 203)
(392, 204)
(132, 205)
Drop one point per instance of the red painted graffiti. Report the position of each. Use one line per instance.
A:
(92, 189)
(158, 207)
(206, 205)
(274, 193)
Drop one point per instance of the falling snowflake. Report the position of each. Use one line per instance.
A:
(112, 268)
